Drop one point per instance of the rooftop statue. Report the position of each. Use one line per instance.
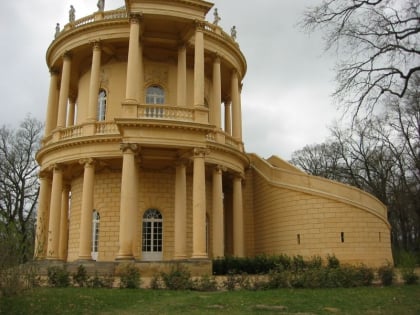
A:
(233, 32)
(101, 5)
(216, 17)
(72, 14)
(57, 30)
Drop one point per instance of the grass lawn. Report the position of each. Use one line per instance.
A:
(400, 300)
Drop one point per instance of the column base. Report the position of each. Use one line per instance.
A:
(124, 257)
(200, 256)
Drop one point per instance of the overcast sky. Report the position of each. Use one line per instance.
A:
(286, 101)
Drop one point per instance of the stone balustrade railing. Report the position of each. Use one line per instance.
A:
(165, 112)
(122, 14)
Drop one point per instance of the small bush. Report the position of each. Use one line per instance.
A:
(157, 283)
(386, 274)
(332, 262)
(80, 277)
(179, 278)
(58, 277)
(230, 282)
(407, 264)
(205, 283)
(15, 280)
(279, 278)
(129, 276)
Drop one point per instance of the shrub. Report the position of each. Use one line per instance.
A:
(332, 261)
(129, 276)
(407, 263)
(157, 283)
(15, 280)
(80, 277)
(205, 283)
(179, 278)
(386, 274)
(230, 282)
(279, 278)
(58, 276)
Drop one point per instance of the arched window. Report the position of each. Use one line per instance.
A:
(101, 105)
(155, 94)
(95, 234)
(152, 236)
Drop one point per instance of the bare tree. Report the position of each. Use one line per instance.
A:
(378, 47)
(18, 187)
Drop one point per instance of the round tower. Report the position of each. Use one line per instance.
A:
(142, 156)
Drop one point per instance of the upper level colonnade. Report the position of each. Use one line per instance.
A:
(209, 70)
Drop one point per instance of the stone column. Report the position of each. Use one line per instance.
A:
(199, 65)
(52, 106)
(236, 106)
(42, 216)
(218, 215)
(215, 116)
(199, 205)
(85, 245)
(94, 84)
(55, 212)
(132, 82)
(238, 218)
(64, 223)
(182, 76)
(180, 211)
(228, 118)
(64, 91)
(70, 116)
(129, 201)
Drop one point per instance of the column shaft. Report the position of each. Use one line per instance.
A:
(218, 215)
(129, 202)
(64, 91)
(238, 218)
(94, 82)
(64, 232)
(199, 66)
(215, 113)
(52, 106)
(85, 245)
(199, 205)
(132, 83)
(70, 116)
(180, 212)
(228, 118)
(42, 217)
(55, 212)
(182, 77)
(236, 110)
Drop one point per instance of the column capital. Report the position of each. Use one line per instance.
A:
(56, 167)
(67, 55)
(88, 162)
(238, 176)
(220, 168)
(199, 25)
(200, 152)
(44, 174)
(136, 18)
(216, 57)
(54, 71)
(133, 147)
(96, 44)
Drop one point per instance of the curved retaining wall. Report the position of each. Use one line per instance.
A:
(299, 214)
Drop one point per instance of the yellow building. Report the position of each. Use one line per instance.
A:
(143, 157)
